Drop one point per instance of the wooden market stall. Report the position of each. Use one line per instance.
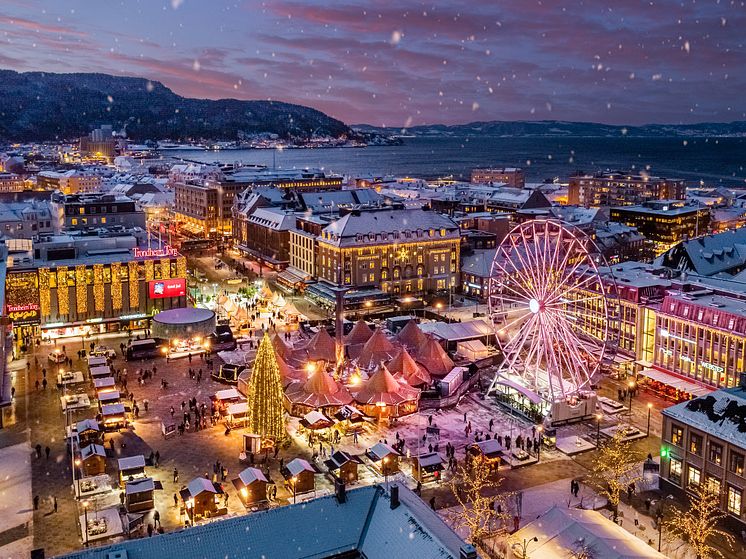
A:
(486, 453)
(344, 466)
(114, 416)
(93, 460)
(384, 397)
(427, 467)
(88, 432)
(131, 468)
(251, 485)
(202, 498)
(383, 458)
(139, 494)
(300, 476)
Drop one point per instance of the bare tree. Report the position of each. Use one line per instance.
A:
(697, 524)
(615, 467)
(482, 515)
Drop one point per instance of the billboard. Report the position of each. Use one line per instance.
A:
(161, 289)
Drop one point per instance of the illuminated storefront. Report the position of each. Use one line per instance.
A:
(93, 293)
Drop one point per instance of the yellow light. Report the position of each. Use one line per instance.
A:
(77, 461)
(164, 350)
(310, 368)
(207, 344)
(244, 492)
(85, 504)
(294, 479)
(631, 384)
(438, 306)
(540, 428)
(650, 406)
(198, 339)
(368, 303)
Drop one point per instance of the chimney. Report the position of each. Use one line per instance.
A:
(394, 496)
(340, 491)
(467, 551)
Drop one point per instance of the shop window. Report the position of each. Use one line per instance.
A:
(695, 476)
(713, 485)
(715, 454)
(695, 444)
(736, 463)
(674, 472)
(734, 500)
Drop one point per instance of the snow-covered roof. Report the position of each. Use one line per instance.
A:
(91, 450)
(200, 485)
(713, 414)
(274, 219)
(298, 465)
(227, 394)
(250, 475)
(131, 462)
(381, 450)
(139, 486)
(563, 532)
(458, 331)
(86, 425)
(314, 529)
(479, 263)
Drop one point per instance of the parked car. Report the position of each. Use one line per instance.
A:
(104, 351)
(57, 356)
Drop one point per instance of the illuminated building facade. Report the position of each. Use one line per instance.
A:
(620, 189)
(10, 182)
(72, 292)
(205, 208)
(68, 182)
(510, 176)
(704, 441)
(401, 252)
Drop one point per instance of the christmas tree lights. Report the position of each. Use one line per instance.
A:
(266, 414)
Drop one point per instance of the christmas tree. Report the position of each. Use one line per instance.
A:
(266, 414)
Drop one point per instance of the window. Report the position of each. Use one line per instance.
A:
(736, 463)
(713, 485)
(715, 455)
(734, 500)
(695, 444)
(695, 476)
(103, 221)
(677, 435)
(674, 473)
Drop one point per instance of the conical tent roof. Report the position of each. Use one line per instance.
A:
(434, 358)
(382, 387)
(287, 372)
(375, 351)
(411, 336)
(321, 390)
(407, 367)
(281, 350)
(359, 334)
(322, 346)
(290, 309)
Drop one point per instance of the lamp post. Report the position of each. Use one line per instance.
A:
(439, 306)
(85, 518)
(631, 388)
(294, 479)
(525, 544)
(599, 417)
(540, 430)
(650, 407)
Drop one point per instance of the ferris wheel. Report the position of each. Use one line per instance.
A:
(554, 316)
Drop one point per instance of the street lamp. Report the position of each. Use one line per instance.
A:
(599, 417)
(525, 544)
(650, 407)
(439, 306)
(294, 479)
(85, 517)
(539, 429)
(631, 388)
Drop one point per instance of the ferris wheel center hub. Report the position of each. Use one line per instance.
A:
(534, 306)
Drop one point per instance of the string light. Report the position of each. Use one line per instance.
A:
(134, 285)
(63, 299)
(266, 413)
(116, 286)
(181, 267)
(45, 294)
(165, 268)
(98, 287)
(149, 270)
(81, 289)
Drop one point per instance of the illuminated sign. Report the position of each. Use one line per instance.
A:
(167, 250)
(712, 367)
(132, 316)
(22, 298)
(161, 289)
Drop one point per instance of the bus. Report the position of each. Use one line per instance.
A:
(142, 349)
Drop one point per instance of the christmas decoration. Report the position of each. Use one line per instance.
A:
(266, 414)
(116, 286)
(615, 467)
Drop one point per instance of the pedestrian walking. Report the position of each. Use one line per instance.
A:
(432, 503)
(54, 503)
(176, 500)
(157, 458)
(47, 450)
(150, 530)
(157, 518)
(38, 450)
(36, 502)
(176, 475)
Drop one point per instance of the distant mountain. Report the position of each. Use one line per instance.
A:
(558, 128)
(37, 106)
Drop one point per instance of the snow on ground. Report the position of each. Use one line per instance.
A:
(16, 506)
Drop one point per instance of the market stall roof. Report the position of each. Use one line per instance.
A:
(250, 475)
(431, 461)
(349, 413)
(411, 336)
(321, 390)
(359, 334)
(290, 309)
(104, 382)
(87, 425)
(405, 365)
(101, 371)
(131, 462)
(112, 409)
(559, 530)
(322, 347)
(383, 388)
(458, 331)
(473, 346)
(339, 459)
(379, 451)
(316, 420)
(298, 465)
(281, 349)
(434, 358)
(239, 408)
(91, 450)
(376, 350)
(112, 396)
(228, 394)
(201, 485)
(676, 382)
(489, 448)
(141, 485)
(96, 361)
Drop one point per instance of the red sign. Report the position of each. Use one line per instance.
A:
(160, 289)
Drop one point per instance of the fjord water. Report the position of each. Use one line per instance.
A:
(716, 161)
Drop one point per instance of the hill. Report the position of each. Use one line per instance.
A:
(39, 106)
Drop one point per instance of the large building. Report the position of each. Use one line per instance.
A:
(204, 208)
(71, 285)
(704, 442)
(622, 189)
(290, 179)
(100, 144)
(664, 222)
(722, 254)
(401, 252)
(510, 176)
(80, 212)
(363, 523)
(10, 182)
(69, 182)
